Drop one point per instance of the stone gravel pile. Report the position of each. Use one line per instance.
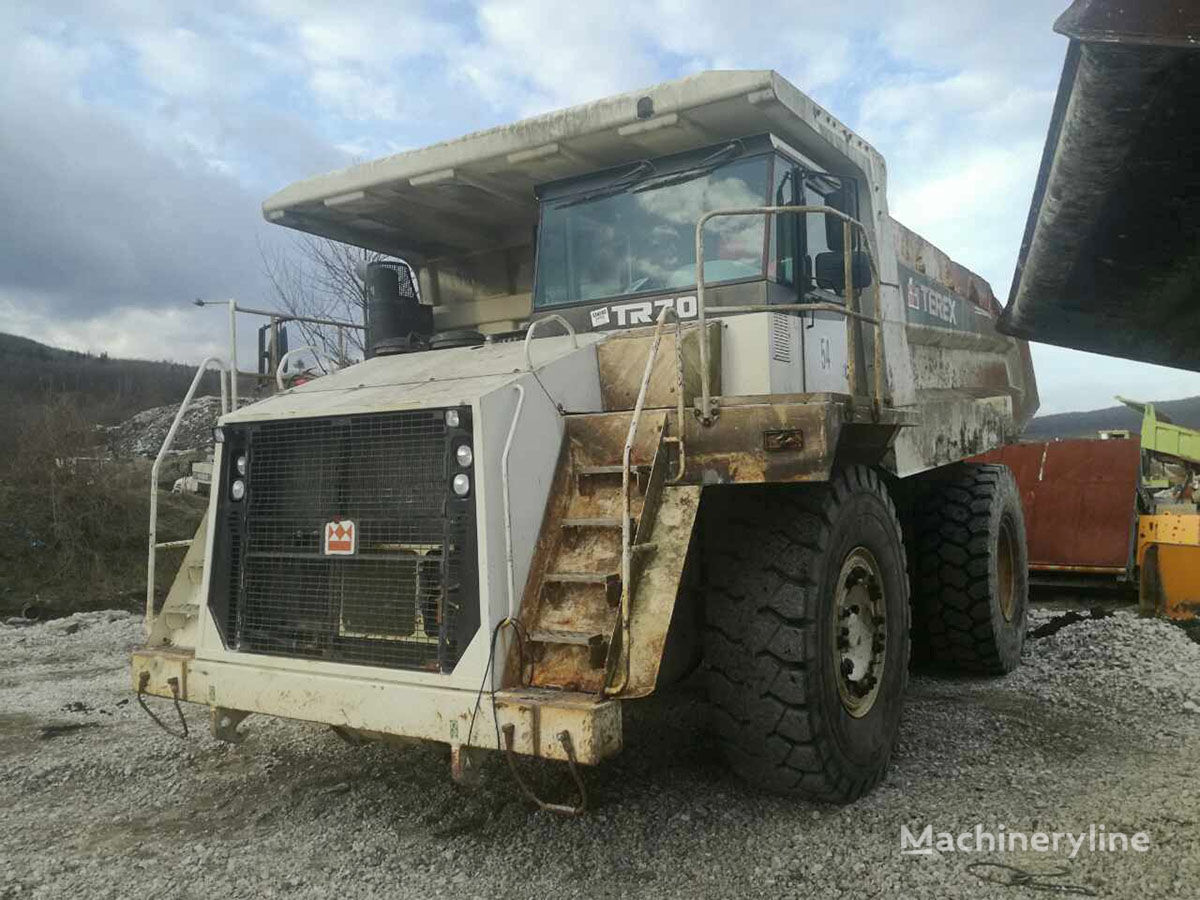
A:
(1093, 729)
(143, 433)
(1121, 661)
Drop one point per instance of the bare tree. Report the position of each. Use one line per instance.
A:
(321, 278)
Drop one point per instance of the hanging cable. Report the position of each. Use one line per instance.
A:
(519, 631)
(143, 681)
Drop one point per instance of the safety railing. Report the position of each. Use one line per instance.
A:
(533, 326)
(509, 563)
(276, 318)
(627, 546)
(227, 394)
(707, 408)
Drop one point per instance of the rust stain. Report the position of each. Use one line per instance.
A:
(622, 363)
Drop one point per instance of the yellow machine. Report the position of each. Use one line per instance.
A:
(1168, 547)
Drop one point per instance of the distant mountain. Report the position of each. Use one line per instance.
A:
(1085, 424)
(14, 348)
(107, 389)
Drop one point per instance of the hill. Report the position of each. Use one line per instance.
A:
(112, 390)
(1085, 424)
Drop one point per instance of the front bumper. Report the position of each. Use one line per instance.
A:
(388, 709)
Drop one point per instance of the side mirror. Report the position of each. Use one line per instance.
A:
(831, 270)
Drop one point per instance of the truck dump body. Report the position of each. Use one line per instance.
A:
(1109, 261)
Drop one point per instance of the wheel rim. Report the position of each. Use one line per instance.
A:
(1006, 568)
(859, 632)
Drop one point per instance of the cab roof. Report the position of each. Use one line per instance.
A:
(475, 193)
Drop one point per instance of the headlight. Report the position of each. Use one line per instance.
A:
(237, 490)
(452, 418)
(461, 484)
(241, 465)
(463, 454)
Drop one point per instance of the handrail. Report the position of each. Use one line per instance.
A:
(626, 459)
(551, 317)
(277, 317)
(529, 358)
(508, 543)
(707, 407)
(224, 373)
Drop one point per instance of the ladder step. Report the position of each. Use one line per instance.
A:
(583, 577)
(614, 469)
(578, 638)
(600, 470)
(606, 522)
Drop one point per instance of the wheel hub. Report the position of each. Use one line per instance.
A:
(859, 632)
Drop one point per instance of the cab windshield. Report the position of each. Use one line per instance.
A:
(638, 233)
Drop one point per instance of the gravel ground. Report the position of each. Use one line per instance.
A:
(1100, 726)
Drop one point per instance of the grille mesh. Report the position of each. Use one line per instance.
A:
(396, 601)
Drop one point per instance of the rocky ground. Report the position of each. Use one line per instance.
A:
(1100, 726)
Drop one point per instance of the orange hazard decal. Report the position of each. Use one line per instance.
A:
(341, 538)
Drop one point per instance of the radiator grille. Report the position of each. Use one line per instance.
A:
(397, 601)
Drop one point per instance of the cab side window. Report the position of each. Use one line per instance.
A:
(787, 238)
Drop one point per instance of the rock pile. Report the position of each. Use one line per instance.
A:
(143, 434)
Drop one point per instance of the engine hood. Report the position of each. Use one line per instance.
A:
(438, 378)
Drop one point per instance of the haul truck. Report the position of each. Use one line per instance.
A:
(669, 388)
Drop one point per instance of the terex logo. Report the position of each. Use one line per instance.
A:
(935, 303)
(644, 312)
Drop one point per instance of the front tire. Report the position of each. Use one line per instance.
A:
(806, 634)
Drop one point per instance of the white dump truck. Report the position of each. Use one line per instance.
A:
(660, 384)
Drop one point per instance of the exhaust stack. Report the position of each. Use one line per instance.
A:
(397, 322)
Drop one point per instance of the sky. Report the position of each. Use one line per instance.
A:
(138, 139)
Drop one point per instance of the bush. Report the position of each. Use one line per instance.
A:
(73, 526)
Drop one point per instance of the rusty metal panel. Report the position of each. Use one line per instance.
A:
(1079, 498)
(538, 717)
(622, 362)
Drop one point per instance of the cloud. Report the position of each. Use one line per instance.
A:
(95, 218)
(138, 137)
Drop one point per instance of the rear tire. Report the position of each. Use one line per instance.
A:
(806, 634)
(970, 571)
